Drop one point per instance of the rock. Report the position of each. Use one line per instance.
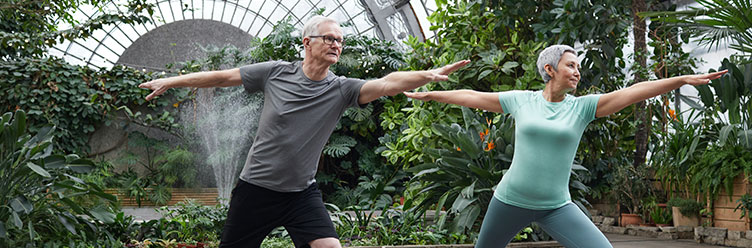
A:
(668, 229)
(735, 235)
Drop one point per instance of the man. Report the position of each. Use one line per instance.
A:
(303, 101)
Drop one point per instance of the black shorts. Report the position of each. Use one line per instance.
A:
(256, 211)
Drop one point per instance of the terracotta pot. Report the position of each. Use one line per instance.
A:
(630, 219)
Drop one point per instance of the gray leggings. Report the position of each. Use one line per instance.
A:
(567, 224)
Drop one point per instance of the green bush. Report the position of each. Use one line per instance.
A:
(38, 189)
(686, 207)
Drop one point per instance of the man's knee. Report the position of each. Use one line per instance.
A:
(325, 243)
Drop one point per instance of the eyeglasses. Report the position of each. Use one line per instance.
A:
(329, 40)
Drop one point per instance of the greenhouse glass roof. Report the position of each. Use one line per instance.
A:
(386, 19)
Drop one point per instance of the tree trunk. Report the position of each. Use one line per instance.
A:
(640, 53)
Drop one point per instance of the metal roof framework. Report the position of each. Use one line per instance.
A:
(386, 19)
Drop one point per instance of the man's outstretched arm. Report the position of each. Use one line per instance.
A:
(225, 78)
(401, 81)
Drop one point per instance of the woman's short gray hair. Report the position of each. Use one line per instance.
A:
(551, 56)
(312, 26)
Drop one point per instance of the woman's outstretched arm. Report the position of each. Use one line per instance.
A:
(469, 98)
(615, 101)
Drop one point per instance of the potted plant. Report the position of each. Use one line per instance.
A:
(630, 185)
(685, 212)
(661, 216)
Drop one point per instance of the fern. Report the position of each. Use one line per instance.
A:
(394, 63)
(339, 146)
(359, 114)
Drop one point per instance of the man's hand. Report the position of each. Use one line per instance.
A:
(442, 73)
(158, 87)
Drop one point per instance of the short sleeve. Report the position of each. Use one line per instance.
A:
(588, 105)
(254, 76)
(509, 101)
(351, 90)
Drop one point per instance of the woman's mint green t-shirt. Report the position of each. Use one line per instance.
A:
(546, 138)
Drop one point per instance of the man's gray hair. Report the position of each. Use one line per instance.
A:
(551, 56)
(312, 26)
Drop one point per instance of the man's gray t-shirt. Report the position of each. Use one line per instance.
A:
(298, 117)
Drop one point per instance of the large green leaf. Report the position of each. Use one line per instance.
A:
(745, 138)
(81, 165)
(725, 131)
(427, 171)
(19, 123)
(102, 214)
(706, 95)
(456, 163)
(71, 228)
(467, 192)
(339, 146)
(54, 162)
(439, 207)
(729, 97)
(692, 103)
(461, 203)
(3, 233)
(15, 219)
(21, 204)
(467, 217)
(37, 169)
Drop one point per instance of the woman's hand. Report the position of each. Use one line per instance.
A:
(701, 79)
(423, 96)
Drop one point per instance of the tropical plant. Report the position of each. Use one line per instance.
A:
(163, 166)
(661, 215)
(468, 164)
(195, 221)
(503, 58)
(631, 185)
(717, 168)
(745, 205)
(733, 97)
(37, 189)
(680, 151)
(398, 225)
(714, 22)
(465, 168)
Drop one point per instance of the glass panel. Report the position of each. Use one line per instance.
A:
(253, 16)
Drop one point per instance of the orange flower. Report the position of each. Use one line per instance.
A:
(482, 134)
(458, 149)
(490, 146)
(488, 121)
(672, 114)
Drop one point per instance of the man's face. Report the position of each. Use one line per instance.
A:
(319, 48)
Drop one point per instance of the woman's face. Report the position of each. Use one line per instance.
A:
(567, 73)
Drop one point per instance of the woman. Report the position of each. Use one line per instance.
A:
(549, 125)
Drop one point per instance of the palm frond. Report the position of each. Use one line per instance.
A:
(715, 23)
